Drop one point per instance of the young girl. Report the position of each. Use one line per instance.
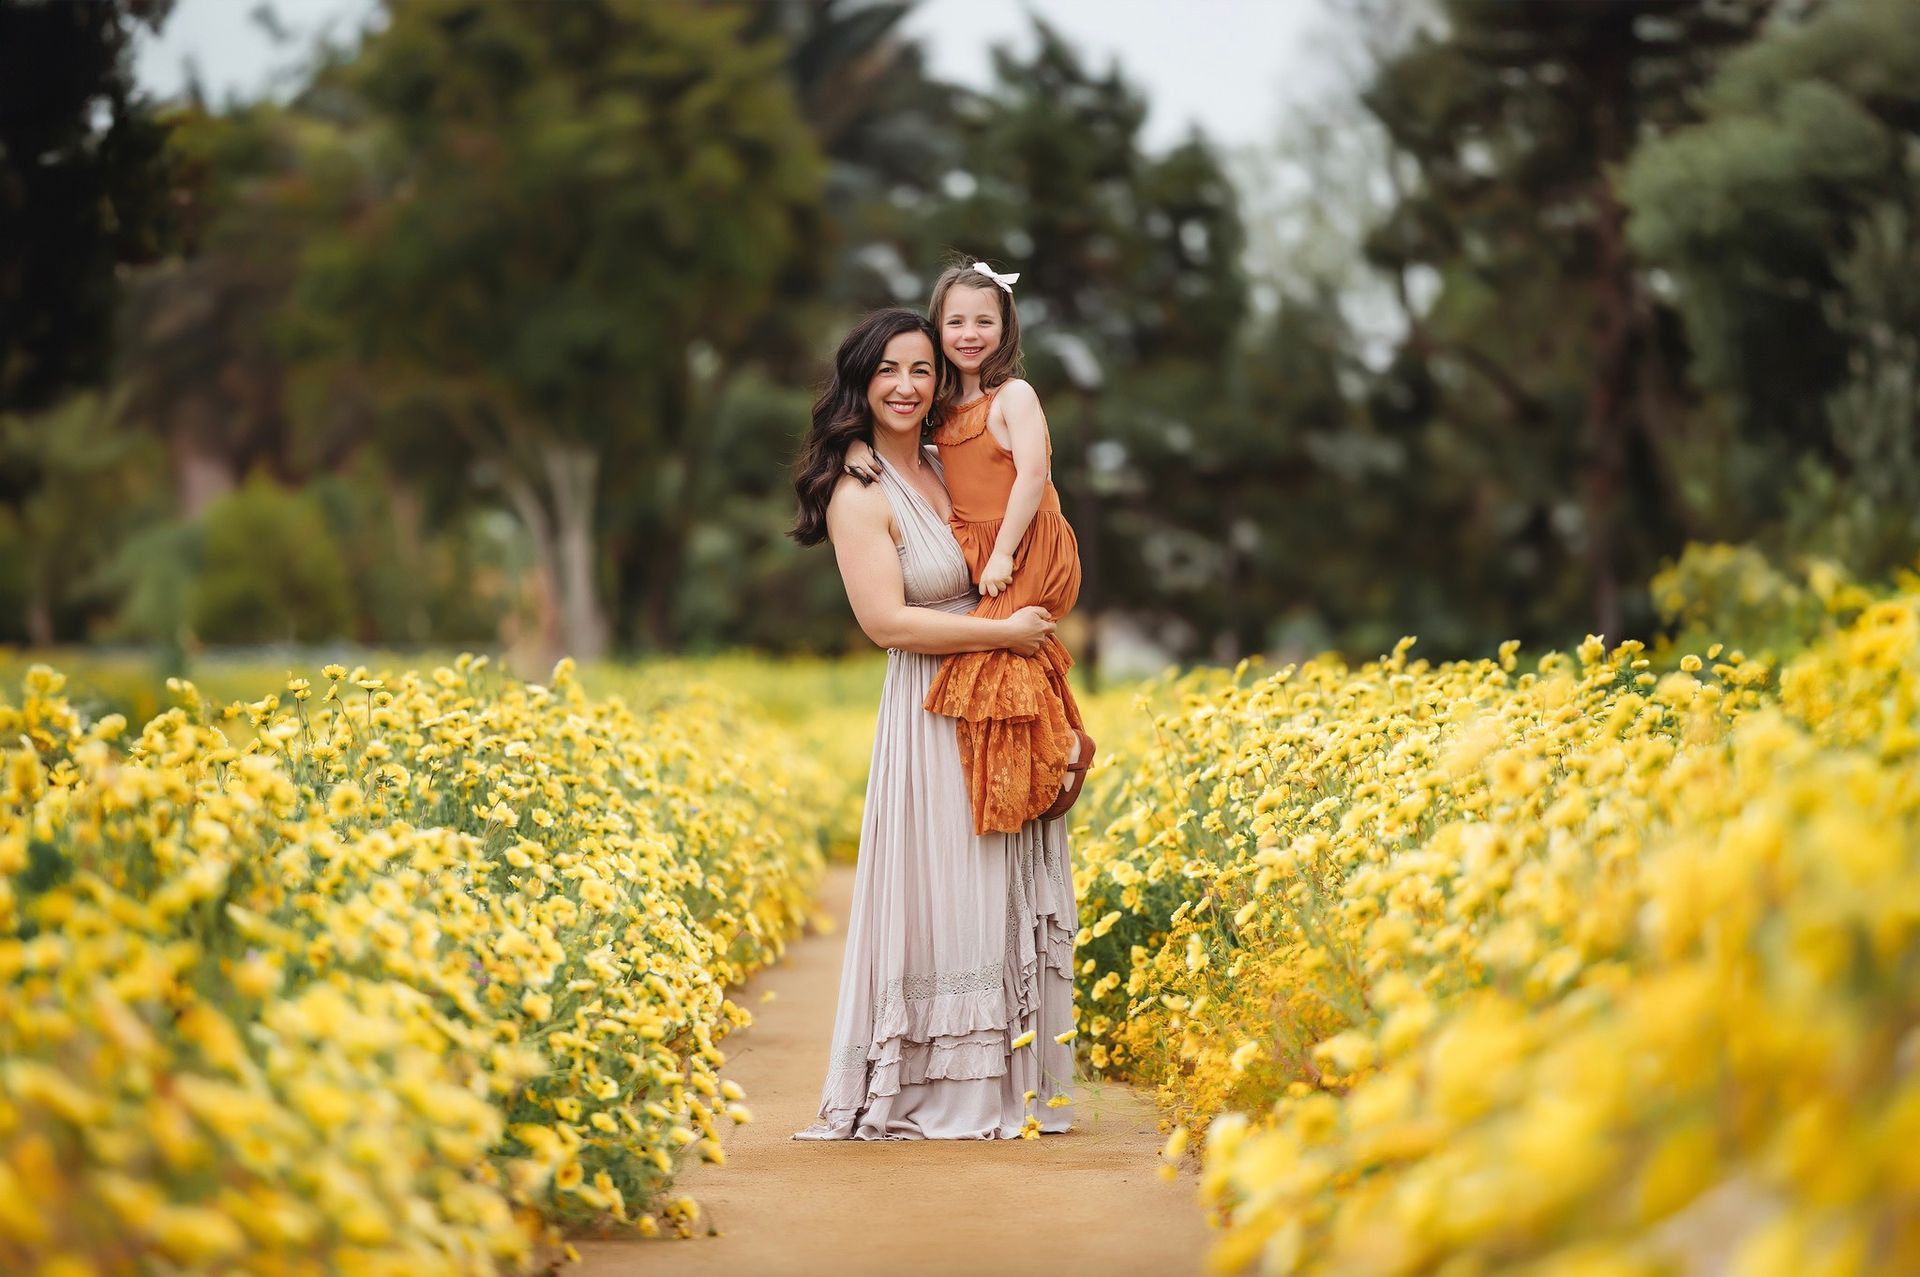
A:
(1023, 743)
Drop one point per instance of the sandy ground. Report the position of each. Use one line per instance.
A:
(1086, 1201)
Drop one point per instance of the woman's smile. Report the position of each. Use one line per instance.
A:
(902, 387)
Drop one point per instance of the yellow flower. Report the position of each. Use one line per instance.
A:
(344, 801)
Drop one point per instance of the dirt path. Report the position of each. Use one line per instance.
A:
(1088, 1201)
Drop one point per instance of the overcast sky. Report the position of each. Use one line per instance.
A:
(1229, 66)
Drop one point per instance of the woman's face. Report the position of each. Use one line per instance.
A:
(901, 390)
(970, 326)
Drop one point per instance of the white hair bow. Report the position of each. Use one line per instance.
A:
(1005, 281)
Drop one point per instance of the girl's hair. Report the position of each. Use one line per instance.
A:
(1004, 363)
(841, 415)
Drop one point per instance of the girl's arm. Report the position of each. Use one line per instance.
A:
(858, 522)
(1027, 431)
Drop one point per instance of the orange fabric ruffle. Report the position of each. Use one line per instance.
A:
(1016, 718)
(965, 423)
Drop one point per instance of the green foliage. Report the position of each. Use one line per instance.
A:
(583, 203)
(525, 302)
(1542, 392)
(1733, 594)
(271, 570)
(412, 583)
(87, 486)
(1787, 219)
(152, 574)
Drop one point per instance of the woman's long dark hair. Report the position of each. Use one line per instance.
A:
(841, 415)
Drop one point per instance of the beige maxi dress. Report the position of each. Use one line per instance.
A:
(958, 942)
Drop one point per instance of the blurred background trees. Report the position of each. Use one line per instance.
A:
(500, 328)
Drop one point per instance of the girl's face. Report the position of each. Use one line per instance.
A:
(902, 387)
(970, 326)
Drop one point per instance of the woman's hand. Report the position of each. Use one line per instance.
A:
(998, 572)
(861, 462)
(1027, 629)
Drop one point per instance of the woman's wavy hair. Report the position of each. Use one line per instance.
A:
(1003, 364)
(841, 415)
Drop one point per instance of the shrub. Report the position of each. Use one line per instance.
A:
(270, 570)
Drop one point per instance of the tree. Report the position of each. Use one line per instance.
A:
(1559, 367)
(199, 356)
(83, 192)
(581, 208)
(1130, 281)
(83, 188)
(1788, 219)
(889, 133)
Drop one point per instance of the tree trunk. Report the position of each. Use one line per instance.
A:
(546, 645)
(201, 474)
(39, 619)
(561, 528)
(573, 472)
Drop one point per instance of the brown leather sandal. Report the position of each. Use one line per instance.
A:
(1076, 779)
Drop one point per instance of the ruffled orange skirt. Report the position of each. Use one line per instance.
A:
(1017, 716)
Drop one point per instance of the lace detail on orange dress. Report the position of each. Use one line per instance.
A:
(1016, 713)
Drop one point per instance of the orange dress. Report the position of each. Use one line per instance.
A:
(1017, 715)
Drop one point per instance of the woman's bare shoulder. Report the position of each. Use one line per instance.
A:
(855, 505)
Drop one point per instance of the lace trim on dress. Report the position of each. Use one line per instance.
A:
(918, 986)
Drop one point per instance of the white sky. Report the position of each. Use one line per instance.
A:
(1229, 66)
(232, 53)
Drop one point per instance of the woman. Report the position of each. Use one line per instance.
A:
(959, 944)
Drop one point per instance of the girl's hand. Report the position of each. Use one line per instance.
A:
(1027, 629)
(995, 576)
(860, 462)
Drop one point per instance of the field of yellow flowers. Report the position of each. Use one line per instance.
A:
(387, 974)
(1586, 969)
(1604, 966)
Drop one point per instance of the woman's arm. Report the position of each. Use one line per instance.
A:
(1027, 432)
(857, 521)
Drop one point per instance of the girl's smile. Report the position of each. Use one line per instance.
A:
(970, 328)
